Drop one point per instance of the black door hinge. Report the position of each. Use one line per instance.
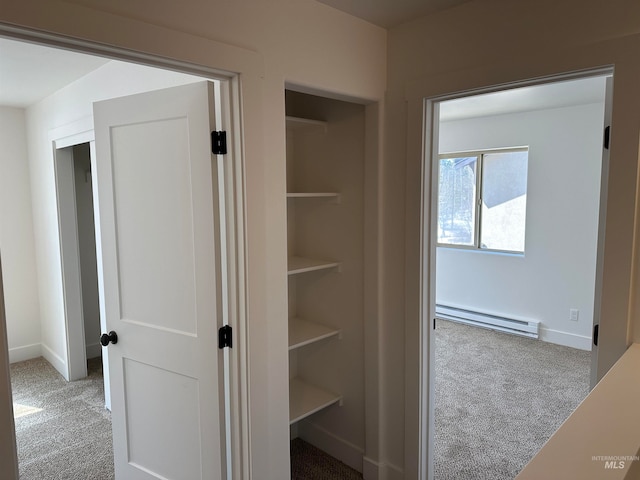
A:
(219, 142)
(607, 134)
(225, 337)
(434, 323)
(595, 334)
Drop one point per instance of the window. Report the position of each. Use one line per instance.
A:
(482, 200)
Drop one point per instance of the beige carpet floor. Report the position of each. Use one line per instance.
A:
(63, 431)
(311, 463)
(499, 397)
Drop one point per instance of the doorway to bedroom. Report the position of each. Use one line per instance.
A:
(518, 178)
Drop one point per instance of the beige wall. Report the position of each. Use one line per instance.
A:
(480, 44)
(268, 43)
(16, 239)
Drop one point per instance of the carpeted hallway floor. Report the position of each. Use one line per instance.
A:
(63, 430)
(499, 398)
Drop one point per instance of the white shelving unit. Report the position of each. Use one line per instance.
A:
(303, 332)
(326, 202)
(312, 194)
(329, 195)
(306, 399)
(306, 123)
(302, 265)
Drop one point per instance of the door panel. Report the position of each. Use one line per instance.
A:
(173, 392)
(160, 247)
(167, 263)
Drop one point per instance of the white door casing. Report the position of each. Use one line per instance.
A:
(158, 200)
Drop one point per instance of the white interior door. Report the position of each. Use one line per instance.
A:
(158, 201)
(596, 372)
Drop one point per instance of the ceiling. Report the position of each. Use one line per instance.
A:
(29, 72)
(539, 97)
(391, 13)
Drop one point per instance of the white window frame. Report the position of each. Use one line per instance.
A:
(479, 154)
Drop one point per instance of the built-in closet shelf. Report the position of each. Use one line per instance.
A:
(306, 123)
(306, 399)
(313, 195)
(303, 332)
(301, 265)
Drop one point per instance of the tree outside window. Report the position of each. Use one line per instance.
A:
(482, 200)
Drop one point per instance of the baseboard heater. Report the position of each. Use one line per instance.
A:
(526, 328)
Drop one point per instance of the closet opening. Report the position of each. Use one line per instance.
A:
(328, 151)
(75, 196)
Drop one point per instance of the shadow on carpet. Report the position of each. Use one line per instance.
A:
(311, 463)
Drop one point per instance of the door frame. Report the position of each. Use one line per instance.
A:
(428, 244)
(236, 363)
(8, 447)
(74, 367)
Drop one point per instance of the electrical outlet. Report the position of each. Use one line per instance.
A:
(573, 314)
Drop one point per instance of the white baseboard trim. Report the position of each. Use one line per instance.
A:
(563, 338)
(94, 350)
(26, 352)
(391, 472)
(337, 447)
(58, 363)
(293, 431)
(372, 470)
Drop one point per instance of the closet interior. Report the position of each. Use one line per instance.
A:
(325, 240)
